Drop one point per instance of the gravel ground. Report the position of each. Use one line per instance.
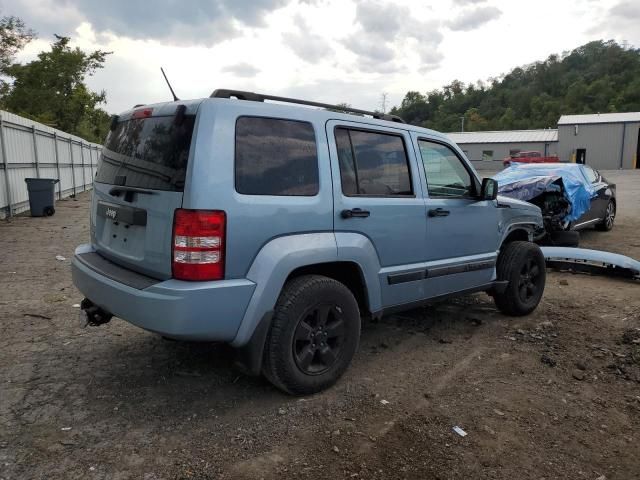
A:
(552, 395)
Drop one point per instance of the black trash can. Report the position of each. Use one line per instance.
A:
(41, 196)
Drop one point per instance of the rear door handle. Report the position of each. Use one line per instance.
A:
(355, 213)
(438, 212)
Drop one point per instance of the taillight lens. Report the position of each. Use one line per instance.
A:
(198, 244)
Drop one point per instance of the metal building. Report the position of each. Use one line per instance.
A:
(606, 141)
(489, 149)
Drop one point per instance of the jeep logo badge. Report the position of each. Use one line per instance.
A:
(111, 213)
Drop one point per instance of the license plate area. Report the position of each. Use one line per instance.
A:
(121, 230)
(122, 214)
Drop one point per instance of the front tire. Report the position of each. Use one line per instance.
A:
(313, 337)
(522, 265)
(609, 217)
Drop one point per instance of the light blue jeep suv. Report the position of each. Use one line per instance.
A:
(277, 227)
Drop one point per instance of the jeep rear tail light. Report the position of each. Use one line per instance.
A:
(198, 244)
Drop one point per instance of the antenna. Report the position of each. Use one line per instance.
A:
(175, 99)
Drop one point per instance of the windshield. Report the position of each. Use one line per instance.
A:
(148, 153)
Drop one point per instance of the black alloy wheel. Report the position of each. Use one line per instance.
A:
(530, 280)
(319, 338)
(609, 216)
(522, 265)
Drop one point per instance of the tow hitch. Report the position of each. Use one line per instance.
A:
(91, 314)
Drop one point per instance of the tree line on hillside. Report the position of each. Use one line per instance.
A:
(51, 89)
(598, 77)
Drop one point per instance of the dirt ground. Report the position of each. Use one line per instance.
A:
(552, 395)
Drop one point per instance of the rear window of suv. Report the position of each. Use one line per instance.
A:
(148, 153)
(275, 157)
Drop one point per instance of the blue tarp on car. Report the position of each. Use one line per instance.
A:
(526, 182)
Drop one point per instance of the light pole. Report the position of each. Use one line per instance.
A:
(462, 124)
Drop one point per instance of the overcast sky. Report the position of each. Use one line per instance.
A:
(333, 51)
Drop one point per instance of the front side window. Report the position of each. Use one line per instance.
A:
(372, 163)
(446, 175)
(275, 157)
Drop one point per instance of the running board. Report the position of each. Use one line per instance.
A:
(591, 261)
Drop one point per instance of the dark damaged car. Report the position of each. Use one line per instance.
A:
(571, 196)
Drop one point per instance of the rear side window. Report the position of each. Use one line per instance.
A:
(372, 163)
(148, 153)
(275, 157)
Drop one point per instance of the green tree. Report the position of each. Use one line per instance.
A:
(600, 76)
(13, 37)
(340, 108)
(52, 90)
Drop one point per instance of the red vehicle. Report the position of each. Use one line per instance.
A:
(529, 157)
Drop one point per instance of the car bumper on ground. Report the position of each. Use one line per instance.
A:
(203, 311)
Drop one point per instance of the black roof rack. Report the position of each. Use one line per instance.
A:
(259, 97)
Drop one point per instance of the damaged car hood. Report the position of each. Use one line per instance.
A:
(528, 182)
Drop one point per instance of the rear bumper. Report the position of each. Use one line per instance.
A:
(185, 310)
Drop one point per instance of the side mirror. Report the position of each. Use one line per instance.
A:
(489, 190)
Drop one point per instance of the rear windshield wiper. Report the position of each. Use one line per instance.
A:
(116, 191)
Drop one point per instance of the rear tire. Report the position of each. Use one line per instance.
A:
(313, 337)
(609, 218)
(522, 265)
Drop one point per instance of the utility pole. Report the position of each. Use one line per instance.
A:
(462, 124)
(383, 102)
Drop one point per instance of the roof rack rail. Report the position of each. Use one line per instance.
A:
(259, 97)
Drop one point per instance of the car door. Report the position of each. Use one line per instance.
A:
(378, 197)
(462, 231)
(598, 201)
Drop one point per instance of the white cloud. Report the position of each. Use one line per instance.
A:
(474, 18)
(385, 31)
(382, 19)
(307, 45)
(326, 50)
(242, 69)
(468, 2)
(196, 22)
(620, 22)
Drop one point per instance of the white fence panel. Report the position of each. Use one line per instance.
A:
(77, 178)
(32, 150)
(64, 154)
(18, 185)
(3, 190)
(88, 176)
(46, 152)
(66, 181)
(19, 147)
(49, 172)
